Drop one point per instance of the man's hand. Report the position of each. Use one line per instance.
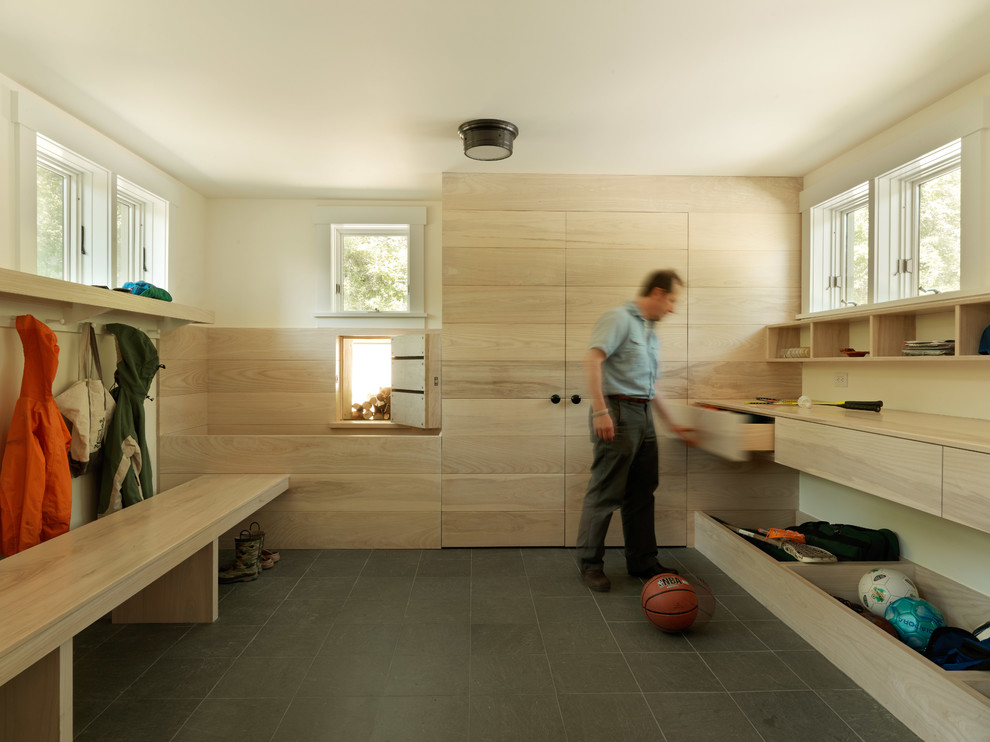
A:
(685, 434)
(603, 427)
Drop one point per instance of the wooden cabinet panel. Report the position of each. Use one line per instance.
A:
(508, 342)
(502, 492)
(965, 496)
(619, 266)
(502, 266)
(483, 228)
(604, 231)
(896, 469)
(499, 454)
(513, 528)
(498, 380)
(463, 417)
(500, 305)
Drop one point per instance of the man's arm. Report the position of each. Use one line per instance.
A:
(682, 432)
(601, 420)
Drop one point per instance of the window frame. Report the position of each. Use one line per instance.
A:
(326, 218)
(147, 260)
(830, 283)
(337, 231)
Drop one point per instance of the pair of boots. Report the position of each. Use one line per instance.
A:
(250, 556)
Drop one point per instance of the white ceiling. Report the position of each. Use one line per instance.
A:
(351, 99)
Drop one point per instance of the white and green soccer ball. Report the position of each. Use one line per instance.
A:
(878, 588)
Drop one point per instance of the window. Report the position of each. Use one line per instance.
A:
(897, 236)
(371, 268)
(141, 236)
(374, 260)
(92, 227)
(72, 197)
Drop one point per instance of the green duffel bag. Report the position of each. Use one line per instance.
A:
(852, 543)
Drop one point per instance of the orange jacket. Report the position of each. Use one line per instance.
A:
(35, 483)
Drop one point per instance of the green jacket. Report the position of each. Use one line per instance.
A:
(127, 475)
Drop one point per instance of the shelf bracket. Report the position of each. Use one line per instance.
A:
(79, 312)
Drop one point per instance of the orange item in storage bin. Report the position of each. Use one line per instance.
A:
(35, 484)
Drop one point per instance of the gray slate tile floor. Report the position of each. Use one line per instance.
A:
(465, 645)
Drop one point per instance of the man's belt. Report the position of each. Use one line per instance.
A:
(628, 399)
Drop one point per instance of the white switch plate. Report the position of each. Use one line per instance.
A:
(840, 379)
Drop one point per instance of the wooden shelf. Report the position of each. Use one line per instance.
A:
(79, 303)
(882, 330)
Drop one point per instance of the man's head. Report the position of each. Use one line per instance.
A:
(660, 292)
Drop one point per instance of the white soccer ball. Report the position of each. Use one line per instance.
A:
(878, 588)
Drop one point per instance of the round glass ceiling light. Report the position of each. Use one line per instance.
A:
(488, 139)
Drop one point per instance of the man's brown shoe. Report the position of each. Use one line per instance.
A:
(597, 581)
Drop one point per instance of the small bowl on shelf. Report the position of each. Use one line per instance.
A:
(853, 353)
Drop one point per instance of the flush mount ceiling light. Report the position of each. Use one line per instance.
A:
(488, 139)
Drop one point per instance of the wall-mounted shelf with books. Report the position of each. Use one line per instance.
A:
(883, 330)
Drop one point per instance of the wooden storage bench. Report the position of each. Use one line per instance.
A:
(154, 562)
(938, 705)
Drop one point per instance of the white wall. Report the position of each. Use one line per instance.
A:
(957, 389)
(263, 261)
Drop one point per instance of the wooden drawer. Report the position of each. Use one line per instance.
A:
(897, 469)
(731, 435)
(964, 488)
(936, 704)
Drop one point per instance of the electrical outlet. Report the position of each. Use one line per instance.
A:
(840, 379)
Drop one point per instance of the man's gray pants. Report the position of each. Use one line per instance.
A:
(624, 474)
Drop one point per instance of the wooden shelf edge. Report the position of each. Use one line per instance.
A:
(79, 302)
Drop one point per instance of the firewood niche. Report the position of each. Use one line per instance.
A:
(378, 407)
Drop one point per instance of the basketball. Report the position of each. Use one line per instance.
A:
(669, 602)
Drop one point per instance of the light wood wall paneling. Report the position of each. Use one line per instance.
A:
(670, 527)
(619, 266)
(743, 380)
(747, 232)
(254, 343)
(466, 417)
(344, 530)
(515, 528)
(503, 305)
(502, 266)
(603, 231)
(367, 492)
(271, 375)
(183, 376)
(528, 229)
(501, 492)
(182, 413)
(762, 492)
(749, 270)
(612, 193)
(186, 342)
(588, 303)
(741, 306)
(500, 454)
(270, 408)
(510, 342)
(298, 454)
(511, 379)
(726, 343)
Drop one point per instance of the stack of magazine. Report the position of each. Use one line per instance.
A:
(930, 347)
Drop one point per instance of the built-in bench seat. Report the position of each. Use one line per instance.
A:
(154, 562)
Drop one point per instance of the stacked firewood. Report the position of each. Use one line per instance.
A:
(378, 407)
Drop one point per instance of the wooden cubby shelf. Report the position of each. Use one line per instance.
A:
(882, 330)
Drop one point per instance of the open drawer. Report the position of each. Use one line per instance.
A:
(729, 434)
(936, 704)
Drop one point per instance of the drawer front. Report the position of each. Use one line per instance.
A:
(904, 471)
(964, 489)
(730, 435)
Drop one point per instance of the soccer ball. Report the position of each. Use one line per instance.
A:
(878, 588)
(915, 620)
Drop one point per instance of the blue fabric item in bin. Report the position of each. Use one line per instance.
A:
(985, 342)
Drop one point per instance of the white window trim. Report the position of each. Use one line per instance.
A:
(971, 124)
(325, 217)
(829, 280)
(152, 254)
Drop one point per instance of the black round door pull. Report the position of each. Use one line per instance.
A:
(555, 398)
(576, 398)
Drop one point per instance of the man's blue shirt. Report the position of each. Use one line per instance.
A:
(631, 351)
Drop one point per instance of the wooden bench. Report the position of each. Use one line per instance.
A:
(154, 562)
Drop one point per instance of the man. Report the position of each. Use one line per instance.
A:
(621, 369)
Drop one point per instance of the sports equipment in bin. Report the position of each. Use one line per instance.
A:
(669, 602)
(915, 620)
(878, 588)
(801, 552)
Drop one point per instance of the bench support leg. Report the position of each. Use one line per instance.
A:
(186, 594)
(37, 704)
